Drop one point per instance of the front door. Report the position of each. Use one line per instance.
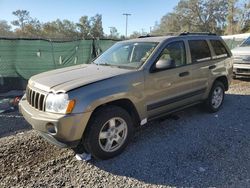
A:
(167, 89)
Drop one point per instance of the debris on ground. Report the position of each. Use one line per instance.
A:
(83, 157)
(9, 101)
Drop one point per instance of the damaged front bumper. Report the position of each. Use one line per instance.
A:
(59, 129)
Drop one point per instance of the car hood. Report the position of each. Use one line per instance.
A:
(65, 79)
(239, 51)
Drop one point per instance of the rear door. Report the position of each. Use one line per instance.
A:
(201, 60)
(222, 62)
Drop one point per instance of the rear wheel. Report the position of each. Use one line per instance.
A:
(216, 97)
(108, 132)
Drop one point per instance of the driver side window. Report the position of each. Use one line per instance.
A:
(175, 52)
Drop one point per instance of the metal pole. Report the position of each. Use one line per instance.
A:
(126, 14)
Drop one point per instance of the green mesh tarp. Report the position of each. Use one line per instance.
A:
(26, 57)
(22, 58)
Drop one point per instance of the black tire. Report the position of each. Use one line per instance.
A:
(100, 121)
(209, 104)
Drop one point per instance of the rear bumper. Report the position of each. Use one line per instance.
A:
(60, 130)
(241, 69)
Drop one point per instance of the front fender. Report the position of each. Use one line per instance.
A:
(130, 87)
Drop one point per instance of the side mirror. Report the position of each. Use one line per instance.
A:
(164, 64)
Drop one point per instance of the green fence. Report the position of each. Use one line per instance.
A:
(22, 58)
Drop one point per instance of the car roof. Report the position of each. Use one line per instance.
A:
(149, 39)
(163, 38)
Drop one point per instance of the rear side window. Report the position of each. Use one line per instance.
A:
(199, 50)
(219, 48)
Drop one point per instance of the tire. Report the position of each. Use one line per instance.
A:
(108, 132)
(216, 97)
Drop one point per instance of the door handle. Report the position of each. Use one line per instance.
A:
(212, 67)
(182, 74)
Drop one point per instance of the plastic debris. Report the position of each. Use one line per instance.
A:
(9, 104)
(83, 157)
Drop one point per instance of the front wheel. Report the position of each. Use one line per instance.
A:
(108, 132)
(216, 97)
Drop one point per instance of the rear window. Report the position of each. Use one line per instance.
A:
(199, 50)
(219, 48)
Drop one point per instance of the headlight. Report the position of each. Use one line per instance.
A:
(59, 103)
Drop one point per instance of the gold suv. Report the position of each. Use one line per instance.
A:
(95, 107)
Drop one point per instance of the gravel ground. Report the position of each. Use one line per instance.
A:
(12, 123)
(189, 149)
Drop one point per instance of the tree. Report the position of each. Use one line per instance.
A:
(113, 33)
(202, 15)
(5, 28)
(231, 22)
(60, 29)
(23, 18)
(31, 29)
(27, 26)
(68, 29)
(169, 24)
(238, 18)
(84, 27)
(50, 30)
(135, 34)
(96, 26)
(195, 16)
(243, 17)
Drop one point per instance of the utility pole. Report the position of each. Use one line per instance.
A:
(126, 14)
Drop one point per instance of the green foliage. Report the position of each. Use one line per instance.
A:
(84, 27)
(113, 33)
(27, 26)
(195, 16)
(23, 18)
(135, 34)
(96, 26)
(219, 16)
(5, 28)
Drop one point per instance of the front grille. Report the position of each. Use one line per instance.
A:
(35, 99)
(247, 71)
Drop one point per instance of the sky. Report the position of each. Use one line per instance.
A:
(144, 13)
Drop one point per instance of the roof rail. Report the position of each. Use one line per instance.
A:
(145, 36)
(197, 33)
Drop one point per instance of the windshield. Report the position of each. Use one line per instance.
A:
(127, 55)
(246, 42)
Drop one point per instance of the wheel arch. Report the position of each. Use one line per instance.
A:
(224, 81)
(124, 103)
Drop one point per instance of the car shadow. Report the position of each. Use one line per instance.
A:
(196, 149)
